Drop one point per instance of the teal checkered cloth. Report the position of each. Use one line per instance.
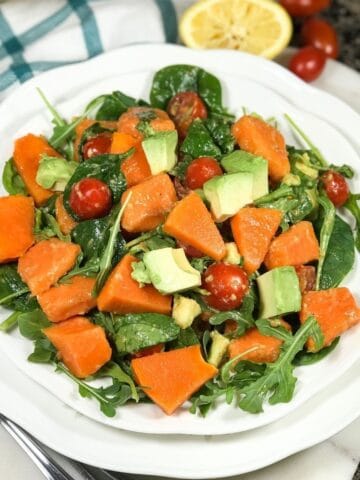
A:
(37, 35)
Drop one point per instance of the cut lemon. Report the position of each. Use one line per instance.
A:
(260, 27)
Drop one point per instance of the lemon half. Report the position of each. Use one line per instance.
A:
(260, 27)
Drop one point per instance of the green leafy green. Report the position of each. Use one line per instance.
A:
(136, 331)
(220, 131)
(12, 181)
(325, 233)
(140, 273)
(114, 104)
(113, 370)
(31, 324)
(201, 263)
(46, 226)
(10, 322)
(181, 166)
(352, 206)
(199, 142)
(44, 351)
(14, 293)
(308, 358)
(186, 338)
(153, 240)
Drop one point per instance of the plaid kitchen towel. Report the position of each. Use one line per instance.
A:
(37, 35)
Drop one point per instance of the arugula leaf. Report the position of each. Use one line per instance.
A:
(114, 104)
(308, 358)
(220, 131)
(11, 179)
(325, 233)
(113, 370)
(352, 206)
(201, 263)
(10, 322)
(31, 324)
(153, 240)
(103, 167)
(46, 226)
(134, 332)
(44, 352)
(277, 384)
(199, 142)
(14, 293)
(186, 338)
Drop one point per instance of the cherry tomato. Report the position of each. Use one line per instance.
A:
(308, 63)
(90, 198)
(184, 108)
(227, 285)
(304, 8)
(145, 352)
(189, 250)
(336, 187)
(97, 146)
(200, 171)
(320, 34)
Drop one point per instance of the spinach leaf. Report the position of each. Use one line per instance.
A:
(278, 382)
(92, 131)
(44, 352)
(352, 206)
(173, 79)
(199, 142)
(186, 338)
(114, 104)
(31, 324)
(340, 254)
(220, 131)
(308, 358)
(12, 181)
(92, 236)
(103, 167)
(136, 331)
(14, 293)
(327, 226)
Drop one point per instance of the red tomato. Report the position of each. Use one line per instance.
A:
(144, 352)
(189, 250)
(336, 187)
(184, 108)
(307, 277)
(320, 34)
(308, 63)
(304, 8)
(200, 171)
(97, 146)
(90, 198)
(227, 285)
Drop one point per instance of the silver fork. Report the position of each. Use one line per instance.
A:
(45, 463)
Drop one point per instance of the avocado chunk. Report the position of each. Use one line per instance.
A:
(160, 151)
(218, 348)
(185, 310)
(228, 193)
(170, 271)
(232, 254)
(279, 291)
(240, 161)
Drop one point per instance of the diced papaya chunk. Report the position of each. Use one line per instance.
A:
(266, 348)
(259, 138)
(295, 246)
(84, 125)
(122, 294)
(158, 120)
(16, 226)
(191, 222)
(253, 229)
(69, 299)
(334, 309)
(170, 378)
(149, 204)
(65, 221)
(82, 346)
(135, 168)
(46, 262)
(27, 155)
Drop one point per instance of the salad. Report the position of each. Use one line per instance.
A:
(183, 253)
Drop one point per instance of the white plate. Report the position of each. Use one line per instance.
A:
(248, 81)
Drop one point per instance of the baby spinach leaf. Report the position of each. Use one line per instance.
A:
(103, 167)
(199, 142)
(12, 181)
(308, 358)
(186, 338)
(137, 331)
(92, 236)
(278, 382)
(31, 324)
(340, 254)
(220, 131)
(326, 230)
(14, 293)
(114, 104)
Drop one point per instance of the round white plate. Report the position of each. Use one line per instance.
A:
(248, 81)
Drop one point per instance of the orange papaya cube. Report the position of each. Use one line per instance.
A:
(295, 246)
(46, 262)
(81, 345)
(149, 204)
(16, 226)
(170, 378)
(122, 294)
(259, 138)
(64, 219)
(335, 310)
(129, 121)
(69, 299)
(253, 229)
(190, 222)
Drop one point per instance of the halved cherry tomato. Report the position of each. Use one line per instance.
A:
(184, 108)
(336, 187)
(189, 250)
(200, 171)
(304, 8)
(90, 198)
(98, 145)
(144, 352)
(227, 284)
(308, 63)
(320, 34)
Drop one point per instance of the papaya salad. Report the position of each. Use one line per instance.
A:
(183, 253)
